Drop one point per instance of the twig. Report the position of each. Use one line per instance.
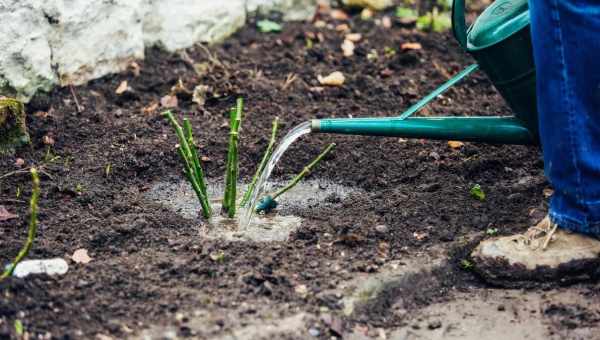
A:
(289, 80)
(263, 162)
(33, 209)
(77, 105)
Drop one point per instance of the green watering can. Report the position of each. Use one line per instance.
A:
(500, 41)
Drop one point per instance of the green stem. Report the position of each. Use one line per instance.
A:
(229, 201)
(304, 172)
(263, 163)
(192, 167)
(194, 155)
(33, 209)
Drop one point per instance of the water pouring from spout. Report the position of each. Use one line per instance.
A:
(290, 137)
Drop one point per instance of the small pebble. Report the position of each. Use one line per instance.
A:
(381, 228)
(314, 332)
(435, 324)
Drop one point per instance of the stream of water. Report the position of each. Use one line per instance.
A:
(290, 138)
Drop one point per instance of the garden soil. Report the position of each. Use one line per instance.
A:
(99, 152)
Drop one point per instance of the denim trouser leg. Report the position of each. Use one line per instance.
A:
(566, 44)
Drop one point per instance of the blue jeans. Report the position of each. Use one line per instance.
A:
(566, 45)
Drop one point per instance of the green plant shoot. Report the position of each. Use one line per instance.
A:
(477, 192)
(268, 202)
(268, 26)
(231, 175)
(189, 156)
(33, 209)
(263, 163)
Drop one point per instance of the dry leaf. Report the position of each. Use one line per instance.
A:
(420, 236)
(135, 68)
(169, 101)
(334, 79)
(386, 22)
(122, 87)
(320, 24)
(342, 28)
(338, 14)
(366, 14)
(150, 108)
(455, 144)
(301, 290)
(411, 46)
(199, 95)
(206, 159)
(5, 215)
(354, 37)
(548, 192)
(383, 249)
(41, 114)
(48, 140)
(348, 48)
(81, 256)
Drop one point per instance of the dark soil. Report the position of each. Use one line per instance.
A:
(149, 263)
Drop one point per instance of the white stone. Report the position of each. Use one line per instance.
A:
(176, 24)
(94, 38)
(25, 53)
(291, 9)
(48, 42)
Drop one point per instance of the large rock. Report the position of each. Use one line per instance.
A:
(25, 53)
(291, 9)
(45, 43)
(90, 39)
(176, 24)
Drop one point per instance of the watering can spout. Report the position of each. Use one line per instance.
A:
(497, 130)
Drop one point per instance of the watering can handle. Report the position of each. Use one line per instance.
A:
(459, 25)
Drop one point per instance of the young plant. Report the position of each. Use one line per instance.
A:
(192, 166)
(231, 175)
(269, 202)
(33, 209)
(263, 163)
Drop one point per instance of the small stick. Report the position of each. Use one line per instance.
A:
(77, 105)
(33, 209)
(304, 171)
(263, 163)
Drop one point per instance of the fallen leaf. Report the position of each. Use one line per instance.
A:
(5, 215)
(386, 22)
(383, 249)
(48, 140)
(81, 256)
(411, 46)
(169, 101)
(334, 79)
(455, 144)
(199, 95)
(348, 48)
(41, 114)
(354, 37)
(150, 108)
(366, 14)
(19, 162)
(202, 68)
(135, 68)
(206, 159)
(420, 236)
(301, 290)
(342, 28)
(338, 14)
(122, 87)
(268, 26)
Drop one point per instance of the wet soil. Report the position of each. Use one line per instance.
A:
(150, 265)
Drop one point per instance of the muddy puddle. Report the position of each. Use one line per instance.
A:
(276, 226)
